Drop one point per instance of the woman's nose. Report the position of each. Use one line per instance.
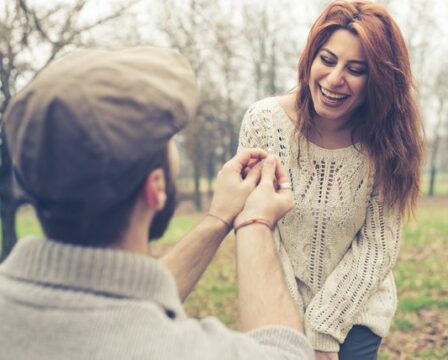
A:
(336, 77)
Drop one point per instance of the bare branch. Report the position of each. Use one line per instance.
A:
(116, 14)
(31, 13)
(68, 33)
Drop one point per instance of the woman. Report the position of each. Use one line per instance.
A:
(351, 139)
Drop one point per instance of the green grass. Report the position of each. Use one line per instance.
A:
(26, 223)
(179, 226)
(419, 330)
(403, 324)
(216, 292)
(419, 303)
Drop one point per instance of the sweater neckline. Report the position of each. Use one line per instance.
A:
(309, 145)
(114, 273)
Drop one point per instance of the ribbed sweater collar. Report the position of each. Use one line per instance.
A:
(109, 272)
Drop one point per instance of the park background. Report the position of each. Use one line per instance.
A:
(242, 51)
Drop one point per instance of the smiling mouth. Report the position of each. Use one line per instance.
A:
(331, 95)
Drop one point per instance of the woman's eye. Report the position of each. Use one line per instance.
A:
(326, 60)
(357, 71)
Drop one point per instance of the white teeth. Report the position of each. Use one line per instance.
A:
(332, 95)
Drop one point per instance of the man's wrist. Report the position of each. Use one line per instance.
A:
(218, 222)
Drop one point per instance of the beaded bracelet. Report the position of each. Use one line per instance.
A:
(254, 221)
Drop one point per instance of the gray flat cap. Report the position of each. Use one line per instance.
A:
(82, 133)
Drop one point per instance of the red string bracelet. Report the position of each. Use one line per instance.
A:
(254, 221)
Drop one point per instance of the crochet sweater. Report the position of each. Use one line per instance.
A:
(68, 302)
(339, 244)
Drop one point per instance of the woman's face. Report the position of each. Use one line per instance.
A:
(338, 77)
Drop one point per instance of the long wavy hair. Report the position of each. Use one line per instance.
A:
(388, 123)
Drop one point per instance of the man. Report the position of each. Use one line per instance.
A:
(91, 142)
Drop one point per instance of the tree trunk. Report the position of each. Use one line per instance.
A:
(233, 146)
(210, 173)
(432, 180)
(435, 152)
(197, 186)
(8, 203)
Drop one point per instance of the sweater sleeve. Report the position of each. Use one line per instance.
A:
(372, 255)
(256, 129)
(210, 339)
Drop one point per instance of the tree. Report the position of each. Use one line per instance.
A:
(203, 34)
(240, 52)
(30, 39)
(441, 91)
(418, 27)
(272, 46)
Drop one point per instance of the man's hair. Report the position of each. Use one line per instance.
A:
(107, 228)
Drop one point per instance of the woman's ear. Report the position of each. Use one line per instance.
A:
(154, 189)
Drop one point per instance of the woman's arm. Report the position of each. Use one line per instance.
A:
(256, 129)
(372, 255)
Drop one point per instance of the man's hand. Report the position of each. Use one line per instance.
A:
(236, 180)
(320, 355)
(266, 201)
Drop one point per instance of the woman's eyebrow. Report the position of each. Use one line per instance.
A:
(329, 51)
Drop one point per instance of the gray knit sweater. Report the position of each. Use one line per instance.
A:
(64, 302)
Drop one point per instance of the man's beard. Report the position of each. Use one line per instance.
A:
(163, 217)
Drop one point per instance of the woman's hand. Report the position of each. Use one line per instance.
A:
(320, 355)
(269, 201)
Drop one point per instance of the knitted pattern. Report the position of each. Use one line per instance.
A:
(339, 243)
(59, 301)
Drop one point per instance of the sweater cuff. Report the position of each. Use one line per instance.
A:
(323, 342)
(284, 338)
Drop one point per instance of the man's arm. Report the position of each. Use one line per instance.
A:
(190, 257)
(264, 298)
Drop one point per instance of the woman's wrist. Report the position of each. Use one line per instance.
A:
(251, 222)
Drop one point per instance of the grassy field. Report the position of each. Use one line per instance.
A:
(420, 328)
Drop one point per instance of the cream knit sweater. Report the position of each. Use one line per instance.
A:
(339, 244)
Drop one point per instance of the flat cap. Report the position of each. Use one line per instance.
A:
(83, 132)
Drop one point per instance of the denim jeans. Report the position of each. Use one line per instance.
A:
(360, 344)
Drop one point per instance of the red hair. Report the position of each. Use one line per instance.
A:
(388, 123)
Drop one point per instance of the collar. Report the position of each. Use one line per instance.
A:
(98, 270)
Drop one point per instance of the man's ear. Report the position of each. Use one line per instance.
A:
(154, 189)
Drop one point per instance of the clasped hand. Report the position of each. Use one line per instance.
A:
(247, 188)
